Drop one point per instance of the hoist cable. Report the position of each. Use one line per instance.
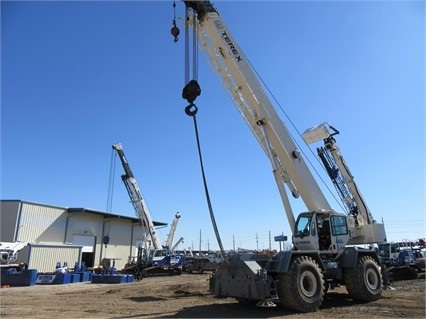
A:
(194, 50)
(212, 217)
(111, 182)
(186, 47)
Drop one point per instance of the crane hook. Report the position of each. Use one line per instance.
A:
(175, 30)
(190, 92)
(191, 110)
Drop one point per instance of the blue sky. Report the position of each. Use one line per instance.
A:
(77, 77)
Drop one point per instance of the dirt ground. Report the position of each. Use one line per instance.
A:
(187, 296)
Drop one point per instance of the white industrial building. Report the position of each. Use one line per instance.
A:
(57, 234)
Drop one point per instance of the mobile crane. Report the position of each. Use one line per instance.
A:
(151, 260)
(137, 200)
(325, 251)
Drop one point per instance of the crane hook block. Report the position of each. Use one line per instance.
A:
(191, 91)
(175, 32)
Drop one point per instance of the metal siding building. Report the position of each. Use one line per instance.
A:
(58, 234)
(44, 257)
(9, 211)
(41, 223)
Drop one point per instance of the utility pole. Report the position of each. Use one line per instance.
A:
(270, 245)
(257, 243)
(200, 244)
(233, 242)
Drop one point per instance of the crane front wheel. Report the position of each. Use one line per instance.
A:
(302, 288)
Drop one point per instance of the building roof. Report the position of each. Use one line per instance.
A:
(73, 210)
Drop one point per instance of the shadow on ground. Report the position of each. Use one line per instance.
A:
(237, 310)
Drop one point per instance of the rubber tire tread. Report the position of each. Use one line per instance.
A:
(354, 279)
(288, 288)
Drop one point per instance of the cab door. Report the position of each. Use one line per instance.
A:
(306, 232)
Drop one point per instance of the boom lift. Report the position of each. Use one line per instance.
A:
(322, 255)
(151, 260)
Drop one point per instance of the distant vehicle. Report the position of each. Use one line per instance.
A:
(188, 261)
(9, 254)
(200, 265)
(399, 259)
(420, 257)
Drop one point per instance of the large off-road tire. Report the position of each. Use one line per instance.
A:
(364, 282)
(302, 288)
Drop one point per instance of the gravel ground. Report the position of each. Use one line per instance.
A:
(187, 296)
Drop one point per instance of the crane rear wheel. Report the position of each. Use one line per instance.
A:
(364, 282)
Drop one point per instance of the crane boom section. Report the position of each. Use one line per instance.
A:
(177, 243)
(241, 83)
(141, 209)
(171, 235)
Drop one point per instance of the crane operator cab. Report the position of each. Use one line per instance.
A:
(326, 231)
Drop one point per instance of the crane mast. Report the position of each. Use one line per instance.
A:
(241, 83)
(141, 209)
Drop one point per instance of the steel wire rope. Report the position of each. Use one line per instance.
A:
(206, 191)
(111, 181)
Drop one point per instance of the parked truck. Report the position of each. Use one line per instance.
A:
(9, 252)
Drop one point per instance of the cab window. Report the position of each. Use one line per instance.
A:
(339, 225)
(302, 226)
